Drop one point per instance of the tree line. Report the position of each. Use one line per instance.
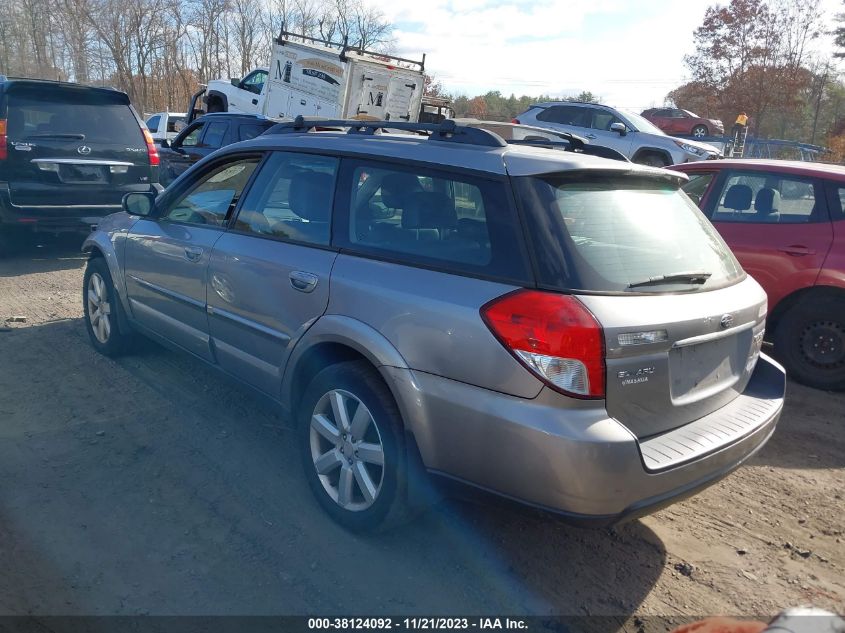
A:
(159, 51)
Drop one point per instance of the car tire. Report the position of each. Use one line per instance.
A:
(651, 159)
(342, 470)
(101, 306)
(214, 105)
(11, 239)
(810, 342)
(700, 130)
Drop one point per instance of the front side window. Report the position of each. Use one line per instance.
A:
(291, 199)
(209, 200)
(214, 134)
(767, 198)
(192, 138)
(618, 234)
(255, 82)
(602, 119)
(697, 185)
(423, 216)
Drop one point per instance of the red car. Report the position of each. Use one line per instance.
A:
(677, 121)
(785, 221)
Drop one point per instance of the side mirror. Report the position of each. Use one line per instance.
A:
(139, 203)
(619, 128)
(165, 143)
(236, 82)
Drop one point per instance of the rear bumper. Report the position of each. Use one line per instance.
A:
(55, 217)
(567, 456)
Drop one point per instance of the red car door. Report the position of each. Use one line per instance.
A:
(776, 224)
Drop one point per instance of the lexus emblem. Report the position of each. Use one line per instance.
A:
(726, 321)
(84, 150)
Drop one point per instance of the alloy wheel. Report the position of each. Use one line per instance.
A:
(347, 450)
(99, 308)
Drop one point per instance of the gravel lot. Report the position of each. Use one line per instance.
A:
(152, 485)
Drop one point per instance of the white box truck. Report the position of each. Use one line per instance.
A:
(319, 78)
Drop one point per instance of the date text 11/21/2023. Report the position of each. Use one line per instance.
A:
(418, 623)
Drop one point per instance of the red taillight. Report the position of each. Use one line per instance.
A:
(4, 152)
(515, 121)
(152, 150)
(555, 336)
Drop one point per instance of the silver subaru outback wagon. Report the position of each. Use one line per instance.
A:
(556, 328)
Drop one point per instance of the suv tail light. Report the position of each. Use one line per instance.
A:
(515, 121)
(554, 336)
(4, 152)
(152, 151)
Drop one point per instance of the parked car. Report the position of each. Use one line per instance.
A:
(785, 223)
(557, 328)
(206, 135)
(677, 121)
(543, 137)
(68, 154)
(626, 132)
(166, 125)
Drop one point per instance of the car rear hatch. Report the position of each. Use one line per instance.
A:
(73, 146)
(681, 323)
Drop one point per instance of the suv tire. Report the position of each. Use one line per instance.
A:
(699, 131)
(101, 306)
(810, 341)
(352, 487)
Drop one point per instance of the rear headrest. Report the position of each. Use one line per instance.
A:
(429, 210)
(767, 201)
(396, 187)
(311, 195)
(738, 198)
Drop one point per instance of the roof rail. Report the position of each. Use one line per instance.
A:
(447, 130)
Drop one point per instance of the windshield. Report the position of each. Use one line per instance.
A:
(623, 234)
(641, 124)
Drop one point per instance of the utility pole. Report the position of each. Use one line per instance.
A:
(823, 82)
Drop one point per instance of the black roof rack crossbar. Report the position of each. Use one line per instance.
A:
(447, 130)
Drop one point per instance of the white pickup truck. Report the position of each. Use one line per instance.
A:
(323, 79)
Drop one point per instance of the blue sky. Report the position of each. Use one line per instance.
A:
(628, 52)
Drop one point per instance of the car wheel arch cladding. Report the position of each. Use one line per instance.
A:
(359, 337)
(98, 245)
(664, 154)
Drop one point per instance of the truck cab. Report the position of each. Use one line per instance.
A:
(245, 95)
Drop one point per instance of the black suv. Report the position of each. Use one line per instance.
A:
(205, 135)
(68, 154)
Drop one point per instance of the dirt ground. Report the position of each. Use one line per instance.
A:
(152, 485)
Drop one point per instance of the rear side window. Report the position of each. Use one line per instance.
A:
(618, 234)
(768, 198)
(565, 115)
(76, 115)
(153, 122)
(291, 199)
(422, 216)
(250, 130)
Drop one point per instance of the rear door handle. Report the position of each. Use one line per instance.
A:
(193, 253)
(303, 281)
(797, 250)
(255, 102)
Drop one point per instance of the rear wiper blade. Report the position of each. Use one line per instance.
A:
(693, 277)
(74, 137)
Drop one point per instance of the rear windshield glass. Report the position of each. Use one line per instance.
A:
(84, 117)
(622, 235)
